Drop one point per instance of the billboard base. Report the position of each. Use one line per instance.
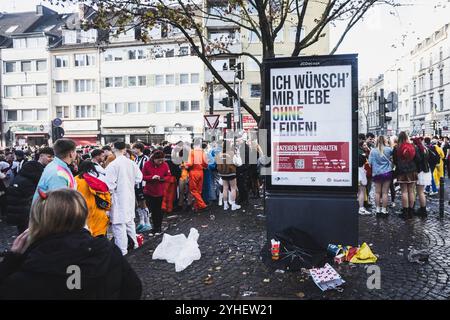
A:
(328, 219)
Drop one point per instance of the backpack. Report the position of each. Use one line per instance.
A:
(434, 158)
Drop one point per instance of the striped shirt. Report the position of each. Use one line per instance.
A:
(140, 161)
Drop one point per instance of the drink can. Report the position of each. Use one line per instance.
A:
(140, 239)
(333, 250)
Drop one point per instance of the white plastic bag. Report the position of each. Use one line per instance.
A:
(179, 250)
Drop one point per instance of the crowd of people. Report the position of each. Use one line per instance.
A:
(109, 188)
(414, 165)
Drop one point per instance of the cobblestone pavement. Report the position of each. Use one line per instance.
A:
(231, 243)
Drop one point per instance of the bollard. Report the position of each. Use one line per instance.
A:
(441, 196)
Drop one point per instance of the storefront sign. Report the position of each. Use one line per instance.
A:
(78, 125)
(311, 122)
(119, 131)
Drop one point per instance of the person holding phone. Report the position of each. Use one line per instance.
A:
(155, 172)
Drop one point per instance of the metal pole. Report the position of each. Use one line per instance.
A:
(441, 196)
(398, 104)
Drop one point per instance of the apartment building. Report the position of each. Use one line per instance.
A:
(25, 93)
(430, 84)
(151, 92)
(242, 40)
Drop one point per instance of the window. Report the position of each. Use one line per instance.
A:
(82, 60)
(42, 115)
(131, 54)
(252, 65)
(41, 89)
(441, 54)
(255, 90)
(61, 86)
(252, 37)
(27, 91)
(10, 66)
(195, 105)
(280, 36)
(113, 108)
(170, 53)
(20, 43)
(118, 58)
(109, 82)
(84, 112)
(141, 54)
(441, 101)
(195, 77)
(184, 105)
(118, 82)
(132, 107)
(41, 65)
(159, 106)
(415, 87)
(11, 29)
(421, 64)
(11, 115)
(84, 85)
(159, 79)
(184, 51)
(25, 66)
(27, 115)
(142, 81)
(10, 91)
(132, 81)
(170, 106)
(170, 79)
(62, 112)
(293, 34)
(109, 57)
(61, 61)
(431, 80)
(441, 77)
(184, 78)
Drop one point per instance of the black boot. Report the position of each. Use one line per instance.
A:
(410, 212)
(422, 212)
(404, 214)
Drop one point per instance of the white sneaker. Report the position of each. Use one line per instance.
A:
(226, 206)
(393, 205)
(362, 211)
(384, 211)
(378, 210)
(220, 199)
(235, 206)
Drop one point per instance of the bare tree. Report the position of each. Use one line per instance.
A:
(263, 18)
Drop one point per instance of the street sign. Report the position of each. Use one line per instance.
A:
(57, 122)
(212, 120)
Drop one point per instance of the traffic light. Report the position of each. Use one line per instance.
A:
(383, 109)
(240, 71)
(228, 118)
(57, 133)
(227, 102)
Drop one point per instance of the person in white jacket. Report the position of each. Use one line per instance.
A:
(121, 176)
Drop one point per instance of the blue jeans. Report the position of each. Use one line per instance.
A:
(433, 184)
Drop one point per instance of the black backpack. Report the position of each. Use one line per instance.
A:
(434, 158)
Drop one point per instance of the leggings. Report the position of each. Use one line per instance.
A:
(155, 204)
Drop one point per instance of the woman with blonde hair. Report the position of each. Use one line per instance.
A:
(227, 171)
(380, 161)
(57, 258)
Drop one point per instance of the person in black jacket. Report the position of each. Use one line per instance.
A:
(57, 258)
(242, 172)
(20, 192)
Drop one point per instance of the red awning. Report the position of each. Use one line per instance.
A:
(83, 141)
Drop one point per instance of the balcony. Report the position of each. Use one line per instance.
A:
(228, 48)
(216, 23)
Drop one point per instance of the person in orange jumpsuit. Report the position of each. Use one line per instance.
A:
(170, 184)
(196, 163)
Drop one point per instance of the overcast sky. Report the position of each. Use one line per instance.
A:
(373, 39)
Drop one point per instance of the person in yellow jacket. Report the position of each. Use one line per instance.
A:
(97, 197)
(439, 170)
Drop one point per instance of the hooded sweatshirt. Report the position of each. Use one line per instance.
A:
(44, 270)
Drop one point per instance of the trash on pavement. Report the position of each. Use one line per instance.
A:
(279, 271)
(140, 239)
(300, 294)
(208, 279)
(275, 249)
(339, 258)
(326, 278)
(249, 293)
(178, 249)
(418, 256)
(364, 255)
(266, 280)
(334, 250)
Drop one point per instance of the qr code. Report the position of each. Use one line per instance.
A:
(299, 164)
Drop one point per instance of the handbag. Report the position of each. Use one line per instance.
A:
(237, 161)
(101, 203)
